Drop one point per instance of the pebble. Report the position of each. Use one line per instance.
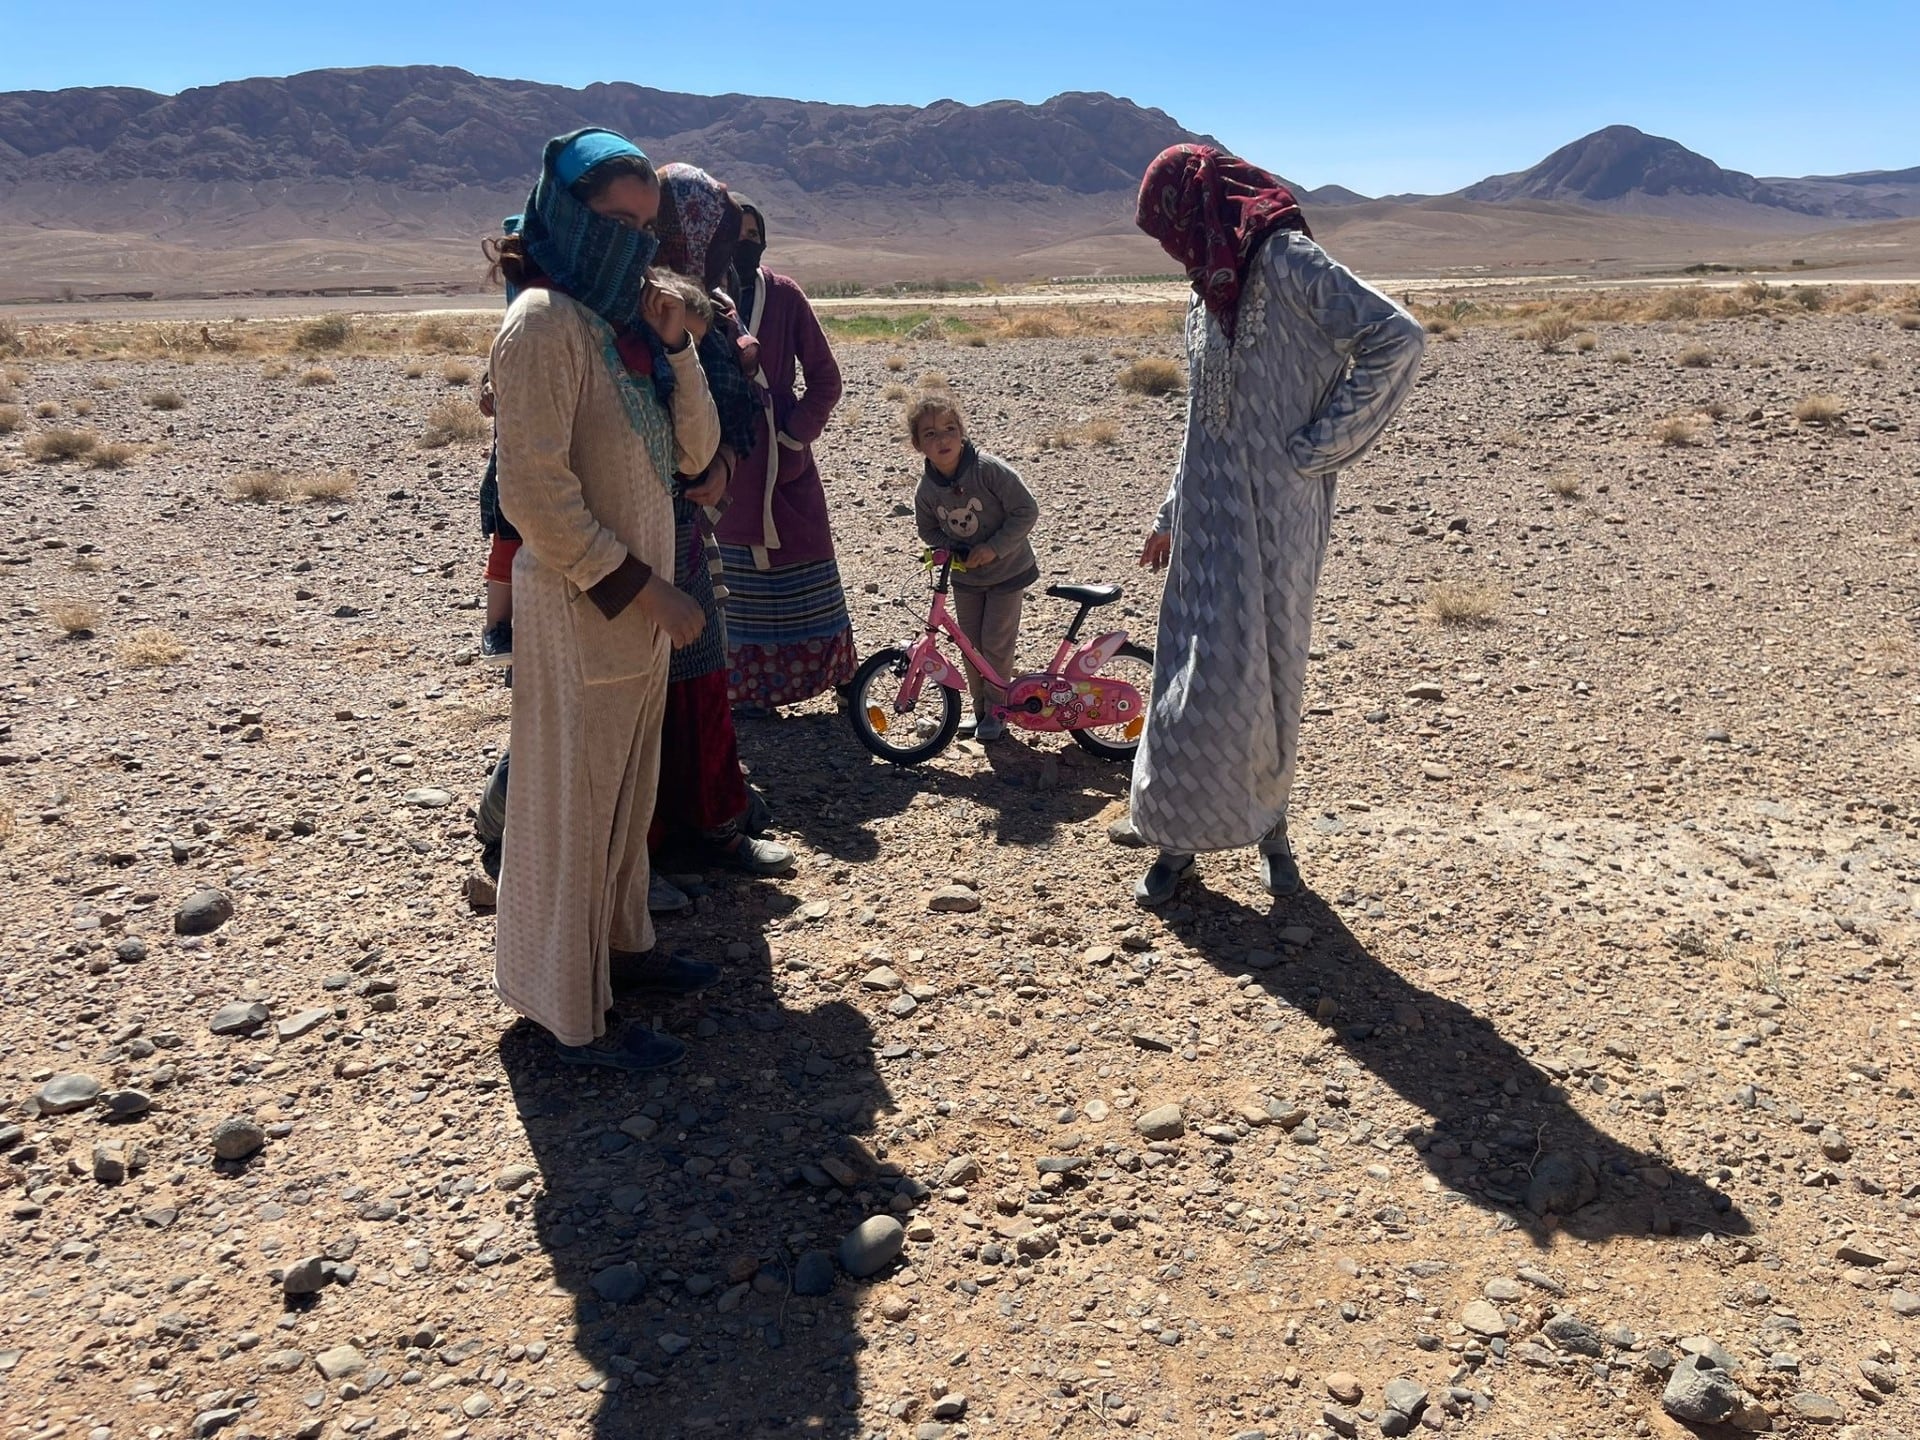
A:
(306, 1277)
(1561, 1184)
(1904, 1303)
(813, 1274)
(1572, 1335)
(1502, 1290)
(512, 1177)
(202, 912)
(953, 900)
(1816, 1408)
(475, 1406)
(1425, 692)
(950, 1407)
(130, 951)
(1701, 1393)
(871, 1246)
(427, 797)
(126, 1104)
(64, 1093)
(1163, 1122)
(240, 1017)
(1407, 1397)
(881, 977)
(237, 1137)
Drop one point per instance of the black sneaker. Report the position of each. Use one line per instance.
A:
(496, 643)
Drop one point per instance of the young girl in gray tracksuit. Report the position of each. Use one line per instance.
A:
(976, 505)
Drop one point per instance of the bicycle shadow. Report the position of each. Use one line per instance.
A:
(675, 1209)
(826, 790)
(1503, 1135)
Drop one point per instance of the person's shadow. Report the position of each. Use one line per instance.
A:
(1503, 1134)
(692, 1214)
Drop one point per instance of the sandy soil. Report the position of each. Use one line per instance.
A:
(1593, 1042)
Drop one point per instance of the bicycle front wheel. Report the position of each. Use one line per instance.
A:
(1132, 664)
(902, 738)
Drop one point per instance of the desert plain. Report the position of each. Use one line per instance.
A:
(1589, 1052)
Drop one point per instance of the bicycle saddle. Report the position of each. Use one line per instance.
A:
(1085, 594)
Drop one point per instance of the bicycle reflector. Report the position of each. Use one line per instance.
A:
(877, 718)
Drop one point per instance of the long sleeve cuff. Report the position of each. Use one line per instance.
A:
(621, 588)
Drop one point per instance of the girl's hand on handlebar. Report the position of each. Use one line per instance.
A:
(1154, 554)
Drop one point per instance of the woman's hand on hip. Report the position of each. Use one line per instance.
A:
(673, 610)
(1154, 554)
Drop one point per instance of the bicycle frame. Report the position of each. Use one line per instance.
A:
(1067, 694)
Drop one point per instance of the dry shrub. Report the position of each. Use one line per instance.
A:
(11, 341)
(105, 382)
(327, 485)
(1586, 342)
(47, 409)
(933, 380)
(1463, 602)
(81, 408)
(975, 341)
(260, 486)
(415, 369)
(87, 565)
(457, 372)
(1823, 410)
(1103, 432)
(1875, 361)
(1551, 331)
(1620, 357)
(442, 333)
(76, 617)
(895, 363)
(1441, 325)
(1695, 357)
(453, 420)
(61, 443)
(1716, 409)
(1567, 487)
(273, 370)
(1152, 375)
(164, 400)
(1677, 431)
(1908, 321)
(112, 456)
(318, 375)
(1031, 327)
(151, 648)
(895, 393)
(324, 332)
(11, 419)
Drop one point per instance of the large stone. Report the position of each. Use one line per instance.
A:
(237, 1137)
(202, 912)
(871, 1246)
(1561, 1184)
(1483, 1319)
(67, 1092)
(306, 1277)
(1407, 1397)
(1163, 1122)
(242, 1017)
(953, 900)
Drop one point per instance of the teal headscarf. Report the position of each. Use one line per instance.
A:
(599, 262)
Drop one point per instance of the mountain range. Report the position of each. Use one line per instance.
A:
(387, 178)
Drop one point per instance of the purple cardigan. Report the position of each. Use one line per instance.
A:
(795, 513)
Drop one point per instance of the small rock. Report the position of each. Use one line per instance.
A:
(1834, 1145)
(950, 1407)
(126, 1104)
(427, 797)
(237, 1138)
(476, 1405)
(881, 977)
(1904, 1303)
(1406, 1397)
(953, 900)
(1121, 832)
(241, 1017)
(871, 1246)
(1345, 1387)
(512, 1177)
(1572, 1335)
(294, 1026)
(813, 1274)
(209, 1422)
(202, 912)
(1701, 1393)
(1712, 1351)
(340, 1362)
(1483, 1319)
(306, 1277)
(1425, 692)
(1164, 1122)
(130, 951)
(1816, 1409)
(64, 1093)
(619, 1284)
(109, 1164)
(1561, 1184)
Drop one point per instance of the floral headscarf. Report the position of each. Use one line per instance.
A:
(1210, 211)
(699, 224)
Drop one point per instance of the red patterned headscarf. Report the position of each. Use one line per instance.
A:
(1210, 211)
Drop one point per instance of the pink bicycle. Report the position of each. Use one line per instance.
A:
(1096, 692)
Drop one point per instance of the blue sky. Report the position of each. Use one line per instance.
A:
(1384, 97)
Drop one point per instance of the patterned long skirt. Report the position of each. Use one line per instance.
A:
(788, 634)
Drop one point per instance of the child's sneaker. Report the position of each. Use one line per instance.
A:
(496, 643)
(990, 728)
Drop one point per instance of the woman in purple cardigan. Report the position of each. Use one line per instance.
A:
(788, 635)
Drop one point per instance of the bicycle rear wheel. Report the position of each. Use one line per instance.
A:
(900, 738)
(1132, 664)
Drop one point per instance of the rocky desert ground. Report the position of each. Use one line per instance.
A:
(1575, 1100)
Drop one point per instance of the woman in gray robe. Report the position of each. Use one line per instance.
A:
(1295, 367)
